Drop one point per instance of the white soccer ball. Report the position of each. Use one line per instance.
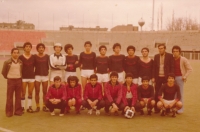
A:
(129, 114)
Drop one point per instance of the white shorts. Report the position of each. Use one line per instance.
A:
(28, 80)
(41, 78)
(168, 101)
(135, 81)
(86, 73)
(140, 81)
(121, 77)
(67, 74)
(102, 77)
(54, 73)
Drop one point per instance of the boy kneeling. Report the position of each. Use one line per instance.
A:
(146, 95)
(113, 94)
(73, 89)
(171, 96)
(129, 94)
(93, 95)
(56, 97)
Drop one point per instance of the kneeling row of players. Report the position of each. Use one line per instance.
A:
(126, 97)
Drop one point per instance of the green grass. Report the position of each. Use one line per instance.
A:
(43, 122)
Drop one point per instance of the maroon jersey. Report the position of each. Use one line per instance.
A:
(102, 64)
(70, 60)
(145, 69)
(42, 65)
(145, 93)
(116, 63)
(28, 67)
(131, 65)
(169, 93)
(87, 61)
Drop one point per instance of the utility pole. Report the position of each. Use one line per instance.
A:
(161, 16)
(152, 28)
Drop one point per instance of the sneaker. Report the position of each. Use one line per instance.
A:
(97, 112)
(52, 113)
(61, 114)
(173, 113)
(30, 110)
(141, 112)
(90, 111)
(45, 109)
(163, 113)
(149, 112)
(37, 109)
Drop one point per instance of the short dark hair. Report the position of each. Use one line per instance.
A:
(145, 48)
(129, 75)
(94, 76)
(145, 78)
(114, 73)
(56, 78)
(72, 78)
(162, 44)
(67, 46)
(130, 47)
(27, 43)
(12, 50)
(40, 44)
(171, 75)
(88, 42)
(115, 45)
(176, 47)
(102, 46)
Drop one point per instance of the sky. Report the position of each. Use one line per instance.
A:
(52, 14)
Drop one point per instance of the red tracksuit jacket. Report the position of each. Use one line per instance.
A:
(113, 92)
(133, 90)
(57, 93)
(74, 92)
(93, 92)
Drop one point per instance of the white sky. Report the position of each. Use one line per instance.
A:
(52, 14)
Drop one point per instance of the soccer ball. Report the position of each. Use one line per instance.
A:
(129, 114)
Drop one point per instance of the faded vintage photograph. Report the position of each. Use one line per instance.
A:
(99, 65)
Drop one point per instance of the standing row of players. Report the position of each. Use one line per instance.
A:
(35, 68)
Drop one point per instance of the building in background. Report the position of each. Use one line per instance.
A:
(128, 27)
(18, 25)
(72, 28)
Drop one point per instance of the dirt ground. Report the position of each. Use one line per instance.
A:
(43, 122)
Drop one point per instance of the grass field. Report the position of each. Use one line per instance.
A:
(189, 121)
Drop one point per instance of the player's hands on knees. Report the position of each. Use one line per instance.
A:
(51, 100)
(126, 108)
(133, 108)
(115, 107)
(166, 105)
(171, 104)
(73, 101)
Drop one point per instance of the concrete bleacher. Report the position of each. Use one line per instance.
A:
(189, 39)
(11, 38)
(138, 39)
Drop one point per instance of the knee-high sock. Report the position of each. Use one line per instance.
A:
(29, 101)
(23, 102)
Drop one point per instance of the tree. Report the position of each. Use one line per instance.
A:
(182, 23)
